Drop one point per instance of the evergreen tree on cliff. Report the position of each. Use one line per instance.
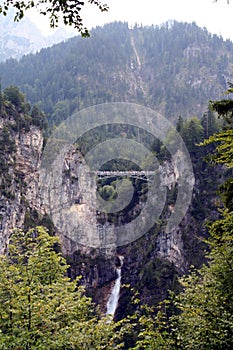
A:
(204, 309)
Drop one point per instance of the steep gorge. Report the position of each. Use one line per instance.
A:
(144, 70)
(66, 201)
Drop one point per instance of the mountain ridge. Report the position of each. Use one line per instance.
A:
(175, 69)
(19, 39)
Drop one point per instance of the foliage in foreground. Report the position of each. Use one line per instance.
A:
(206, 304)
(201, 316)
(203, 312)
(40, 307)
(68, 10)
(205, 319)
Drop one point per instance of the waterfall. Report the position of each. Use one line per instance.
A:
(115, 293)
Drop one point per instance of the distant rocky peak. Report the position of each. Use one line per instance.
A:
(24, 37)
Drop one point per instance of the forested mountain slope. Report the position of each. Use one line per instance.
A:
(175, 68)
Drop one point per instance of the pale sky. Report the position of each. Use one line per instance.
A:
(215, 16)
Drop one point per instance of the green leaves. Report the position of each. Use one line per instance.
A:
(69, 11)
(204, 309)
(205, 319)
(206, 304)
(40, 307)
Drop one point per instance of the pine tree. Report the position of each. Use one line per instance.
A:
(205, 319)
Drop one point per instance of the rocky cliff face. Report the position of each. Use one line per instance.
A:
(152, 262)
(66, 192)
(66, 196)
(20, 162)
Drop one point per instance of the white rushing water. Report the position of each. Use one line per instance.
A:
(115, 293)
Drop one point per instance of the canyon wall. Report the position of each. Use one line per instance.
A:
(65, 193)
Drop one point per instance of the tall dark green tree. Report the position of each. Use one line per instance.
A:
(205, 320)
(209, 123)
(203, 317)
(223, 142)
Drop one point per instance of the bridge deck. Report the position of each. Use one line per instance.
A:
(124, 173)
